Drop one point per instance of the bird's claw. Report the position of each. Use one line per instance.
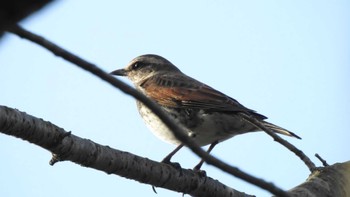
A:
(201, 173)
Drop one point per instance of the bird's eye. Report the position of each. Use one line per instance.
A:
(137, 65)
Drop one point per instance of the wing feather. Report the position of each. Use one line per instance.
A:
(180, 91)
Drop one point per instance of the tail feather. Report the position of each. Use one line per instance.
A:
(280, 130)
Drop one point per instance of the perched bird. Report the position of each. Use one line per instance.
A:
(207, 115)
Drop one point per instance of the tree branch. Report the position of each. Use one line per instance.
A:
(328, 181)
(285, 143)
(324, 162)
(66, 146)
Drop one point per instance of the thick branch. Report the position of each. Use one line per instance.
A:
(87, 153)
(177, 130)
(328, 181)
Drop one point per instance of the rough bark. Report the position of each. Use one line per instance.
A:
(332, 180)
(68, 147)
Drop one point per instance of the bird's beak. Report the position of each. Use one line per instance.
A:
(119, 72)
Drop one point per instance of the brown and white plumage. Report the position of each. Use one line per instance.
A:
(208, 115)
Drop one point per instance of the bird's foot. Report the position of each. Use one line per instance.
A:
(173, 164)
(201, 173)
(198, 170)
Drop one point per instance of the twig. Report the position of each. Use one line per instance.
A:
(285, 143)
(177, 130)
(324, 162)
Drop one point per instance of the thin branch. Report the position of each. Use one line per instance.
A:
(66, 146)
(324, 162)
(178, 131)
(285, 143)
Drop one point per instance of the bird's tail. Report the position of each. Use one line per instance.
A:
(280, 130)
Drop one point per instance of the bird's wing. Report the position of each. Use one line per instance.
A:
(180, 91)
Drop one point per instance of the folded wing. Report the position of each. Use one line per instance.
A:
(179, 91)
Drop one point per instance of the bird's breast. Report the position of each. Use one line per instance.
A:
(203, 126)
(158, 128)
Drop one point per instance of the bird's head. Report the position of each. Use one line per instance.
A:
(145, 66)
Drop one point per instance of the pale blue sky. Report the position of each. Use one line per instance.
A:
(289, 60)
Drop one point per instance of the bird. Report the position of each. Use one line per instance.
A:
(207, 115)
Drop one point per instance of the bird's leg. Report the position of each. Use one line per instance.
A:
(199, 165)
(167, 161)
(170, 155)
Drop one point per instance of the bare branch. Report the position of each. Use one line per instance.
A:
(178, 131)
(324, 162)
(66, 146)
(285, 143)
(328, 181)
